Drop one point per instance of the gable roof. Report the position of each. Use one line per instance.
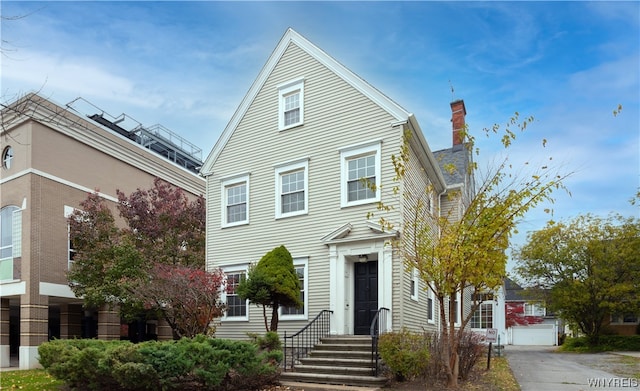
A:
(291, 36)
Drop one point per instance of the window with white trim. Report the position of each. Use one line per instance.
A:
(626, 318)
(430, 306)
(534, 309)
(237, 309)
(456, 308)
(483, 316)
(415, 284)
(291, 189)
(360, 174)
(292, 313)
(10, 239)
(235, 201)
(291, 104)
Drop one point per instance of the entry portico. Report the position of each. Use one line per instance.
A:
(360, 277)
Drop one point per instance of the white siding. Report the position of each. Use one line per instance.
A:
(336, 115)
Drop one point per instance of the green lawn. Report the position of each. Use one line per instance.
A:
(31, 380)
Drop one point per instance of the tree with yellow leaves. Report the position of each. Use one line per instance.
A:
(462, 252)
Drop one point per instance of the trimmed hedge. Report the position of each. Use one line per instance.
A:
(606, 343)
(200, 363)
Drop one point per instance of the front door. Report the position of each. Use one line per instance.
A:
(366, 296)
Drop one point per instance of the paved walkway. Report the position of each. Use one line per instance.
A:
(538, 368)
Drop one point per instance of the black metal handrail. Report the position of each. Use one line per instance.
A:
(305, 339)
(378, 326)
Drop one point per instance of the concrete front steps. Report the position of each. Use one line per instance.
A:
(337, 360)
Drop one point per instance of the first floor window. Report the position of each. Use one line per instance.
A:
(483, 317)
(235, 200)
(628, 317)
(236, 307)
(415, 284)
(293, 312)
(430, 306)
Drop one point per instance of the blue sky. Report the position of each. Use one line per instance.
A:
(187, 65)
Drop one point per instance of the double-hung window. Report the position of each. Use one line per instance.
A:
(237, 309)
(235, 201)
(415, 284)
(534, 309)
(430, 306)
(291, 104)
(292, 313)
(291, 188)
(360, 167)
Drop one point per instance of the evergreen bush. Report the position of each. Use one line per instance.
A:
(200, 363)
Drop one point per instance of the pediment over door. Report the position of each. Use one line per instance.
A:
(351, 232)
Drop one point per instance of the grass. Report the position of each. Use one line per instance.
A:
(498, 378)
(29, 380)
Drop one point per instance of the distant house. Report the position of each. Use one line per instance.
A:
(624, 324)
(527, 321)
(288, 169)
(53, 156)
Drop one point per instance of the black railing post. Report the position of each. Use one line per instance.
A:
(378, 323)
(308, 336)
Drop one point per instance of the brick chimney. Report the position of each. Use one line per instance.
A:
(458, 113)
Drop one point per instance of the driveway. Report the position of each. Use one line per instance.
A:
(538, 368)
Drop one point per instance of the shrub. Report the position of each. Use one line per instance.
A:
(201, 363)
(606, 343)
(469, 352)
(270, 341)
(405, 353)
(79, 362)
(471, 349)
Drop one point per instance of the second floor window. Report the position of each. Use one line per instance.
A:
(361, 174)
(291, 189)
(235, 201)
(10, 239)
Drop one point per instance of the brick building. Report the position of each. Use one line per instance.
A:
(52, 157)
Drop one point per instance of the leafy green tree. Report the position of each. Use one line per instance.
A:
(462, 250)
(103, 257)
(586, 269)
(141, 265)
(272, 282)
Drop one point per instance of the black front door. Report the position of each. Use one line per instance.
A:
(366, 292)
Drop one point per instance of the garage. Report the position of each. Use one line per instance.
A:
(536, 334)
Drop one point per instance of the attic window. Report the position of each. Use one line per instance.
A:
(291, 104)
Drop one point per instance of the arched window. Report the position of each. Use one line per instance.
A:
(7, 157)
(10, 239)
